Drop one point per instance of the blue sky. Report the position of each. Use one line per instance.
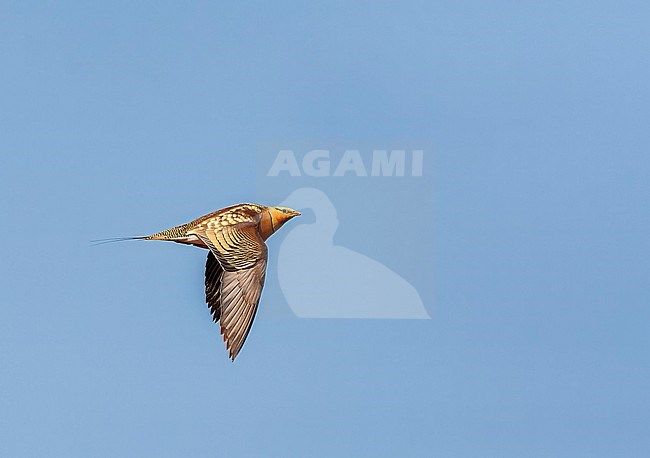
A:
(130, 117)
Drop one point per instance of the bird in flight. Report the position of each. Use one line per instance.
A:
(236, 264)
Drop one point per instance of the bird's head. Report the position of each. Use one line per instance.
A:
(274, 218)
(281, 215)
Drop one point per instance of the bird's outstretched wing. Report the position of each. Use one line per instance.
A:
(234, 286)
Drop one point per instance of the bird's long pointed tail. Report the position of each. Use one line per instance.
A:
(119, 239)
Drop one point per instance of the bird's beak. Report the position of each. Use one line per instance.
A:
(296, 213)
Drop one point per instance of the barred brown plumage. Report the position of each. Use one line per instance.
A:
(236, 264)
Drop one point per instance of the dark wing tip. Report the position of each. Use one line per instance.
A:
(213, 273)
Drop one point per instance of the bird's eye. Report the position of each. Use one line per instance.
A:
(284, 211)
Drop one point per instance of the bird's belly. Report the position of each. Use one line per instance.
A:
(191, 240)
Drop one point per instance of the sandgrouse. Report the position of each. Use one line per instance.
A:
(236, 264)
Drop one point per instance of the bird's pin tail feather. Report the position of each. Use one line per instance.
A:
(116, 239)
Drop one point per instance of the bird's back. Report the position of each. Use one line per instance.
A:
(228, 214)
